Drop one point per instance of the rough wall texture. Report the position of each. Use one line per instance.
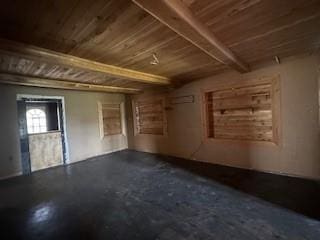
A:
(299, 150)
(82, 122)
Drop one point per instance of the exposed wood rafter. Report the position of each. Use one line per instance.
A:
(44, 55)
(177, 16)
(58, 84)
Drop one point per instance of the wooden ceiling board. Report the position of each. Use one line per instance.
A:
(176, 15)
(124, 35)
(20, 80)
(265, 22)
(133, 47)
(257, 27)
(28, 67)
(119, 33)
(129, 25)
(281, 40)
(51, 57)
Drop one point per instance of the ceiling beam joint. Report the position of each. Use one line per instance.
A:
(176, 15)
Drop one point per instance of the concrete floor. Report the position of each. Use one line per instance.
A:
(133, 195)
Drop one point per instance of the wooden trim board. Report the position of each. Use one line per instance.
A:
(59, 84)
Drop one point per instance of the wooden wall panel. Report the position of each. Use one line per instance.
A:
(111, 118)
(244, 112)
(149, 116)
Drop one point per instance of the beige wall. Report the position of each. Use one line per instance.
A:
(299, 153)
(82, 122)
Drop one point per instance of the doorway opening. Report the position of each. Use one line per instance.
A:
(42, 132)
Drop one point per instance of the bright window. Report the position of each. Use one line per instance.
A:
(36, 121)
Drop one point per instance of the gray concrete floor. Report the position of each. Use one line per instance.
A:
(133, 195)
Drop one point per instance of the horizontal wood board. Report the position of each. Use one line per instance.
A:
(150, 117)
(111, 114)
(242, 113)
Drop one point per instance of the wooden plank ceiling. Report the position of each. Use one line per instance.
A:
(120, 33)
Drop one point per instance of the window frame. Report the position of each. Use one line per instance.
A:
(122, 119)
(43, 110)
(275, 107)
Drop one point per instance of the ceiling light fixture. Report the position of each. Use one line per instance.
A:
(155, 60)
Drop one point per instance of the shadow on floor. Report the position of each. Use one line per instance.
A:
(134, 195)
(296, 194)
